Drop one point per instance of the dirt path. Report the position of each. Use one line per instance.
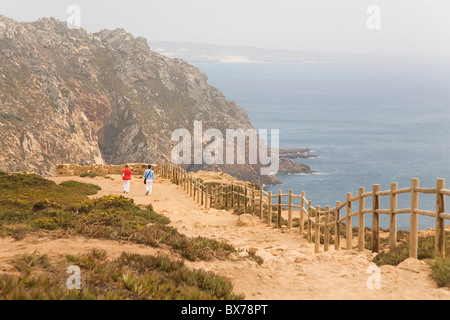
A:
(290, 270)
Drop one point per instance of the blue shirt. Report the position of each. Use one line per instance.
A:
(149, 174)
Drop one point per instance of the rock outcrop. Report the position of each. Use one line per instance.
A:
(67, 96)
(288, 166)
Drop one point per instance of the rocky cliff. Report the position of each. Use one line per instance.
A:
(67, 96)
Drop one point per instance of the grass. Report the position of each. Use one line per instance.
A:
(93, 175)
(131, 276)
(29, 203)
(401, 252)
(441, 271)
(252, 254)
(440, 266)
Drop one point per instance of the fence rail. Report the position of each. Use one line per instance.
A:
(270, 206)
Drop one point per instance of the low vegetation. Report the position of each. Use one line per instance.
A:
(396, 255)
(93, 175)
(29, 203)
(441, 271)
(130, 276)
(426, 247)
(32, 204)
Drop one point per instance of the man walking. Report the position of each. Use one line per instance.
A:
(149, 176)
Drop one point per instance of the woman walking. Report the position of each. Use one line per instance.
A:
(126, 179)
(149, 176)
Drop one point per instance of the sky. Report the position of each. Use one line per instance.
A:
(413, 28)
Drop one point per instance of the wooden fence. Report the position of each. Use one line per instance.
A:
(318, 222)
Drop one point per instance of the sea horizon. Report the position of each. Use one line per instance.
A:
(368, 123)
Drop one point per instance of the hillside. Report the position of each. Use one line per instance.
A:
(67, 96)
(289, 269)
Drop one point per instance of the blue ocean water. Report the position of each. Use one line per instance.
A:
(368, 122)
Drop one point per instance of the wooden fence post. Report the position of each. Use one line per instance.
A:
(302, 215)
(232, 195)
(206, 197)
(245, 198)
(375, 219)
(269, 209)
(337, 227)
(317, 231)
(290, 209)
(327, 229)
(279, 209)
(174, 177)
(211, 195)
(414, 226)
(202, 191)
(349, 226)
(226, 197)
(393, 216)
(261, 203)
(440, 224)
(198, 191)
(361, 220)
(309, 223)
(238, 195)
(183, 184)
(253, 200)
(194, 188)
(217, 196)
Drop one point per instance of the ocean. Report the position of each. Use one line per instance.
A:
(368, 123)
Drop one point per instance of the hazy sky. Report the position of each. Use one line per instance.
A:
(408, 27)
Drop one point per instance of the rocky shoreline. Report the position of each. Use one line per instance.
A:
(288, 166)
(296, 153)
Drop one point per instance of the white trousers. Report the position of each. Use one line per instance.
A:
(148, 186)
(126, 185)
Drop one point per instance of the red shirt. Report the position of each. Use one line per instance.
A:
(126, 174)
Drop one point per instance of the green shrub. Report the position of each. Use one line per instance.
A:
(86, 189)
(89, 174)
(441, 271)
(254, 256)
(66, 207)
(93, 175)
(131, 276)
(394, 256)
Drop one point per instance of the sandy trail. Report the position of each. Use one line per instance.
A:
(290, 270)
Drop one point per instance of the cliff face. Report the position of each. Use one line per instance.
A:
(67, 96)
